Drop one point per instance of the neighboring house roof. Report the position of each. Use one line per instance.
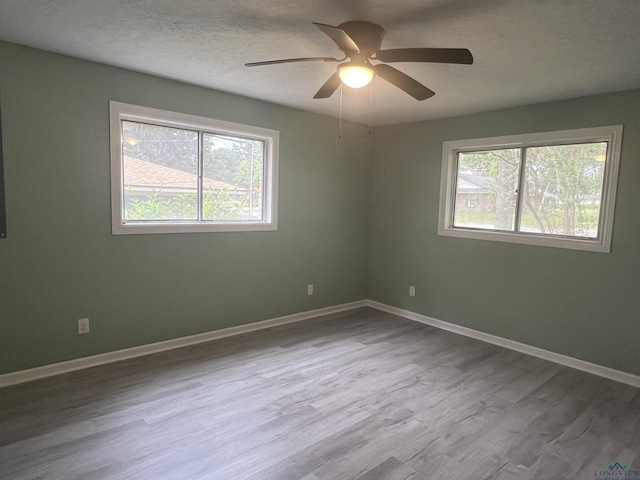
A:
(469, 183)
(140, 173)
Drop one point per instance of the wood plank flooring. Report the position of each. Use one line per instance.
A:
(357, 395)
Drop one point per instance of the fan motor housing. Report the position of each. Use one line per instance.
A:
(368, 36)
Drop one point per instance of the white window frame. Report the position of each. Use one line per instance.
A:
(119, 112)
(450, 150)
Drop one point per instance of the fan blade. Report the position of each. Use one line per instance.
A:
(404, 82)
(437, 55)
(344, 41)
(329, 87)
(291, 60)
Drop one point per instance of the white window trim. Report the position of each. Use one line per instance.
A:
(122, 111)
(450, 150)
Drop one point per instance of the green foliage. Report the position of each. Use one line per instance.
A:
(156, 207)
(221, 205)
(477, 218)
(249, 176)
(237, 162)
(216, 205)
(588, 216)
(562, 186)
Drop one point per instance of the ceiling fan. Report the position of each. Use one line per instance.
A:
(360, 42)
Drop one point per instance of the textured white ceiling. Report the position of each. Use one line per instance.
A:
(525, 51)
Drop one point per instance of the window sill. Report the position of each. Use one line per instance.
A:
(573, 243)
(136, 228)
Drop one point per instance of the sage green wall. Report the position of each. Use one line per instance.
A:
(355, 219)
(582, 304)
(61, 263)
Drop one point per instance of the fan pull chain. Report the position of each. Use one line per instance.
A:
(340, 116)
(370, 103)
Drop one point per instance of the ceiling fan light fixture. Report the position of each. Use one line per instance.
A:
(356, 76)
(361, 42)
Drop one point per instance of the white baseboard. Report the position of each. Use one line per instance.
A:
(606, 372)
(139, 351)
(118, 355)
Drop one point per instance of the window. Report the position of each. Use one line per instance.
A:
(175, 173)
(554, 189)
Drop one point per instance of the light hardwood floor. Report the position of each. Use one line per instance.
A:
(358, 395)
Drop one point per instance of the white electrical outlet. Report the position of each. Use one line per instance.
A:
(412, 291)
(309, 289)
(83, 326)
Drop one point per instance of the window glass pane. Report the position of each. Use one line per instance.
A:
(563, 189)
(486, 189)
(232, 178)
(160, 172)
